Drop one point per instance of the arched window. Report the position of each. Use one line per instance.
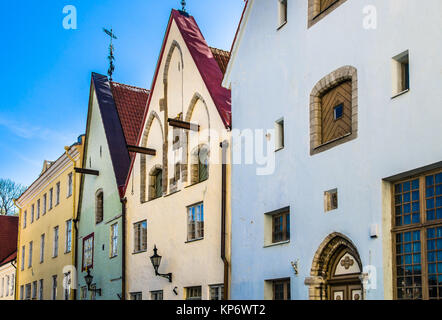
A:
(99, 206)
(156, 182)
(200, 164)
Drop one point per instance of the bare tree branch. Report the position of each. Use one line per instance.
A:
(9, 190)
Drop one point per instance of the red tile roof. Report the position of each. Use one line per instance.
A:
(10, 258)
(8, 236)
(222, 58)
(131, 103)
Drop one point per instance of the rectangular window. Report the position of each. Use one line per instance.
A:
(69, 185)
(88, 251)
(156, 295)
(195, 222)
(281, 289)
(32, 213)
(93, 293)
(417, 237)
(193, 293)
(136, 296)
(51, 195)
(2, 288)
(401, 73)
(279, 134)
(140, 236)
(338, 111)
(21, 292)
(67, 285)
(54, 288)
(23, 254)
(38, 209)
(25, 217)
(42, 248)
(12, 288)
(331, 200)
(45, 200)
(282, 12)
(68, 242)
(55, 244)
(114, 241)
(34, 290)
(217, 292)
(28, 292)
(30, 255)
(57, 194)
(281, 227)
(40, 292)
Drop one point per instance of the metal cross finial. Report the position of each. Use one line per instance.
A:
(111, 57)
(183, 4)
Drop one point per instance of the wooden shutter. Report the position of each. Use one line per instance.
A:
(331, 128)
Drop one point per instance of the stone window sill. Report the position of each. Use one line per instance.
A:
(400, 93)
(281, 25)
(140, 251)
(276, 244)
(193, 240)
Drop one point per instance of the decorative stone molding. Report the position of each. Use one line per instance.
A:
(314, 10)
(196, 97)
(324, 256)
(152, 174)
(143, 171)
(327, 83)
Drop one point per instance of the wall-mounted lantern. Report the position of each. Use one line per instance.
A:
(88, 278)
(156, 261)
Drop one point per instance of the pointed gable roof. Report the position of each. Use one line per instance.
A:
(121, 107)
(131, 102)
(209, 65)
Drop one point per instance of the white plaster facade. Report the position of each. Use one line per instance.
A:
(271, 74)
(192, 263)
(7, 281)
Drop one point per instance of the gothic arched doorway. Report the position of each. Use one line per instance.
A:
(336, 271)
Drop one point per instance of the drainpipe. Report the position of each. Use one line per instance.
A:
(224, 145)
(17, 273)
(74, 220)
(123, 259)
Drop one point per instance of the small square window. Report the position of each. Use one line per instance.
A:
(401, 73)
(277, 227)
(279, 135)
(338, 111)
(331, 200)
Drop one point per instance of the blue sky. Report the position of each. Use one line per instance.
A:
(46, 69)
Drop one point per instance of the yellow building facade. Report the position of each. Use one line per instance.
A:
(46, 238)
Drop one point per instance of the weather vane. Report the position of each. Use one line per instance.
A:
(111, 57)
(183, 4)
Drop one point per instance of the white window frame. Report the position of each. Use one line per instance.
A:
(51, 195)
(55, 242)
(30, 254)
(57, 194)
(25, 218)
(23, 257)
(279, 134)
(68, 238)
(219, 291)
(45, 202)
(113, 248)
(42, 248)
(70, 180)
(140, 236)
(193, 217)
